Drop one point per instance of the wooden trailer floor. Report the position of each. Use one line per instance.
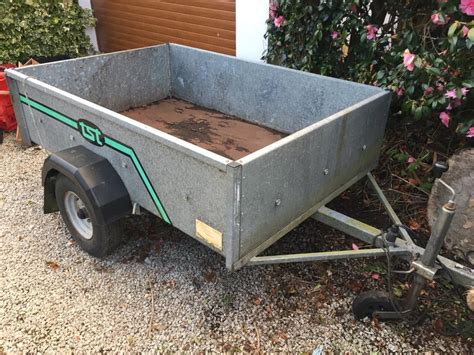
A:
(226, 135)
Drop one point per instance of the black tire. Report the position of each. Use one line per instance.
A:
(105, 238)
(366, 303)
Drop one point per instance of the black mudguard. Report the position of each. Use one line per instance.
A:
(95, 175)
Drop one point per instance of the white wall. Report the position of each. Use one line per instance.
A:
(250, 28)
(86, 4)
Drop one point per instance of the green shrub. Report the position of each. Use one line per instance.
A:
(42, 28)
(422, 50)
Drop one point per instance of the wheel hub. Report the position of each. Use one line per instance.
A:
(78, 214)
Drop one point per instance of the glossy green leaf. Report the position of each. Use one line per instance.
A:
(470, 34)
(452, 29)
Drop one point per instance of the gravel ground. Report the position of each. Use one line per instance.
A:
(164, 291)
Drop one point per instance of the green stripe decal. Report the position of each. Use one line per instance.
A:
(92, 134)
(46, 110)
(138, 166)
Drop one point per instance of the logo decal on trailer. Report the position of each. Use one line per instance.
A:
(91, 132)
(94, 135)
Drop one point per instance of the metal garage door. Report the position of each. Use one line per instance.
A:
(125, 24)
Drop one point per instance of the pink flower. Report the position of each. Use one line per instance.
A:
(278, 21)
(470, 132)
(371, 32)
(355, 246)
(375, 276)
(465, 31)
(449, 107)
(467, 6)
(464, 91)
(272, 9)
(334, 35)
(400, 92)
(428, 91)
(438, 19)
(451, 94)
(411, 160)
(444, 117)
(409, 60)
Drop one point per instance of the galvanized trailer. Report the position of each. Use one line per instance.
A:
(236, 207)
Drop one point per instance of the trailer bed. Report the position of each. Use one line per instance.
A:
(223, 134)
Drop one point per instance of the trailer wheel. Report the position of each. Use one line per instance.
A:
(79, 214)
(366, 303)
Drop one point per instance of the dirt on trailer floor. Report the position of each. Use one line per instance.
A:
(163, 291)
(225, 135)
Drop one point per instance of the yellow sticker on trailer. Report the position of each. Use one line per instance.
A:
(208, 234)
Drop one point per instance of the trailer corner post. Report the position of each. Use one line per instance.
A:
(18, 107)
(232, 241)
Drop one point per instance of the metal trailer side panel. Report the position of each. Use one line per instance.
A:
(286, 179)
(190, 182)
(283, 99)
(116, 81)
